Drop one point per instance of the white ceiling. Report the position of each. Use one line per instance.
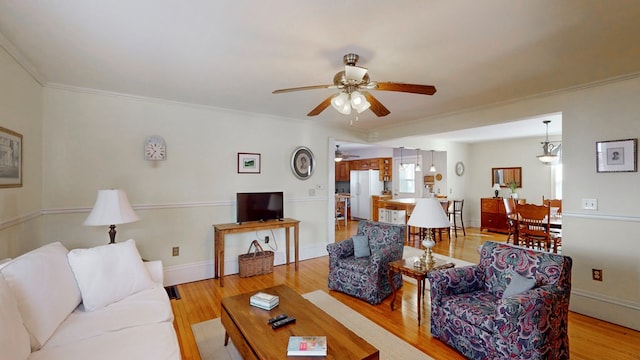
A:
(232, 54)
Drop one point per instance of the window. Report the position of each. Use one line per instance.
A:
(407, 182)
(556, 177)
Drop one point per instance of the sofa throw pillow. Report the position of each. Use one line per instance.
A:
(109, 273)
(44, 288)
(14, 338)
(518, 284)
(361, 246)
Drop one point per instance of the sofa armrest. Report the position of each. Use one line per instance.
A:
(340, 250)
(532, 316)
(452, 281)
(156, 271)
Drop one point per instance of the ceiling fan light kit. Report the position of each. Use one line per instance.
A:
(351, 82)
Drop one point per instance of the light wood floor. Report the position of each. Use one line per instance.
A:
(589, 338)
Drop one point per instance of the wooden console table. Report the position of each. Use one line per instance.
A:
(220, 230)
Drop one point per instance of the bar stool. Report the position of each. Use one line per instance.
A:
(454, 213)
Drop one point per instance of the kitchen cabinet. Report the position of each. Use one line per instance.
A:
(342, 170)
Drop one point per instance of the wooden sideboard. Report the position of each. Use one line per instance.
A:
(493, 217)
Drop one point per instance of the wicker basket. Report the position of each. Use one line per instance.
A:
(258, 262)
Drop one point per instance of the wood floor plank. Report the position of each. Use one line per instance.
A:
(589, 338)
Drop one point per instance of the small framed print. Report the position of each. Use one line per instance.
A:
(248, 163)
(10, 158)
(617, 156)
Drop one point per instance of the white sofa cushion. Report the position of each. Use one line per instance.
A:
(147, 342)
(108, 273)
(149, 306)
(44, 288)
(14, 338)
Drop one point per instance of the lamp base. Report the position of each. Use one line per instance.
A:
(427, 260)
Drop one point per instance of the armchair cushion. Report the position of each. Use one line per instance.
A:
(361, 246)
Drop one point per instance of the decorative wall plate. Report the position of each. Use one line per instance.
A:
(438, 177)
(303, 163)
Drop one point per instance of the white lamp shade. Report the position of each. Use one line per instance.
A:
(428, 213)
(111, 208)
(496, 186)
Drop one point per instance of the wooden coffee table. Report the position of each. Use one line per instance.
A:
(405, 267)
(255, 339)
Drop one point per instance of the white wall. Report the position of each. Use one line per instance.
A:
(95, 141)
(21, 111)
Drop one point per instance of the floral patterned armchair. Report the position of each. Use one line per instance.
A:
(367, 277)
(485, 312)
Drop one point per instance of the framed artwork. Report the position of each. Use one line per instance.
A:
(617, 156)
(10, 158)
(248, 163)
(303, 163)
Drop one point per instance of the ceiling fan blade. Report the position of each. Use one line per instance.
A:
(312, 87)
(320, 108)
(354, 72)
(376, 106)
(409, 88)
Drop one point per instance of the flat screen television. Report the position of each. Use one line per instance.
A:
(259, 206)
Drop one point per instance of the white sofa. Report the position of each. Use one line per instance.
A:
(98, 303)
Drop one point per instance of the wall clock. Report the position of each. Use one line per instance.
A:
(155, 148)
(303, 163)
(459, 168)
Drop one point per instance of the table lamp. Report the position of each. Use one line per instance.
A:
(429, 214)
(111, 208)
(496, 188)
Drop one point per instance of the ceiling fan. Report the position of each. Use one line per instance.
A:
(353, 84)
(341, 156)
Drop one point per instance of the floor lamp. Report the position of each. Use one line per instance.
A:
(111, 208)
(428, 213)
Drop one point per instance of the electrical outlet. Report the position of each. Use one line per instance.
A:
(176, 250)
(590, 204)
(596, 274)
(266, 239)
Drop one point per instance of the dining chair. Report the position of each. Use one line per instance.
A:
(533, 226)
(455, 212)
(512, 219)
(340, 211)
(553, 203)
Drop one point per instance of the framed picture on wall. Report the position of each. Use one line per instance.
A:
(10, 158)
(248, 163)
(617, 156)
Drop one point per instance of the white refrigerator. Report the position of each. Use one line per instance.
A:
(364, 184)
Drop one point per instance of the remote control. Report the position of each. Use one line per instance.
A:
(283, 322)
(279, 317)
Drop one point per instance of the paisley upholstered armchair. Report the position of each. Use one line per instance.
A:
(513, 305)
(359, 266)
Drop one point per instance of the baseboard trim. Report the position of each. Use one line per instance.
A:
(202, 270)
(613, 310)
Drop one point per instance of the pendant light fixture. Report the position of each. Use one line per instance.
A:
(418, 168)
(549, 150)
(432, 169)
(402, 164)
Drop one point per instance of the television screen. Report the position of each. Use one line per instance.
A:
(261, 206)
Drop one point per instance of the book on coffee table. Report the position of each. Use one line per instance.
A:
(264, 301)
(307, 346)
